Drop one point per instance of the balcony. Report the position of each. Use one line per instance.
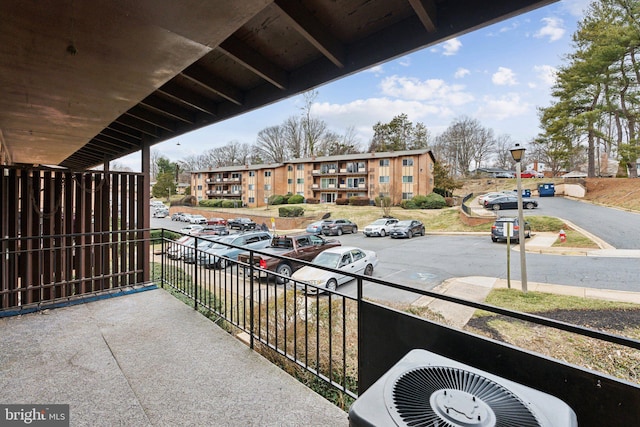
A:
(134, 345)
(208, 181)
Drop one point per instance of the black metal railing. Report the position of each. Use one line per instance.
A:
(348, 342)
(344, 342)
(308, 329)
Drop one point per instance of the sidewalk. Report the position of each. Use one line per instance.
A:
(476, 288)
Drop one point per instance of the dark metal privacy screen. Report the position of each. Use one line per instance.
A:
(69, 233)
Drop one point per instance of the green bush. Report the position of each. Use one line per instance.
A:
(342, 201)
(290, 211)
(156, 235)
(231, 204)
(359, 201)
(276, 199)
(285, 198)
(432, 201)
(408, 204)
(295, 199)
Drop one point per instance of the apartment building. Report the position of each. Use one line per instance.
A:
(398, 174)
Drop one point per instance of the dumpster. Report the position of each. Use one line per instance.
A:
(525, 192)
(546, 190)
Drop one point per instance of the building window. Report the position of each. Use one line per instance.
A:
(267, 173)
(199, 176)
(252, 173)
(407, 162)
(384, 179)
(252, 199)
(199, 187)
(300, 167)
(300, 181)
(407, 178)
(289, 168)
(289, 181)
(267, 187)
(407, 196)
(384, 162)
(251, 187)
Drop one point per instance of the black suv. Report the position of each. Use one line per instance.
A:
(508, 225)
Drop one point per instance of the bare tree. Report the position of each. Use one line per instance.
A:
(272, 145)
(294, 137)
(503, 158)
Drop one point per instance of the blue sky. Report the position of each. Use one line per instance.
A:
(498, 75)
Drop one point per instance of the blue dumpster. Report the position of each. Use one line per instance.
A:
(546, 190)
(525, 192)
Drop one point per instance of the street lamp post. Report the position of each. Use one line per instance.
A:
(517, 153)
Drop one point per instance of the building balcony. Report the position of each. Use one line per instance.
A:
(208, 181)
(135, 344)
(314, 186)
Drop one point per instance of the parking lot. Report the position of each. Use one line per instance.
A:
(425, 262)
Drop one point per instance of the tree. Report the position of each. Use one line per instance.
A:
(272, 145)
(597, 91)
(443, 180)
(165, 185)
(398, 135)
(465, 144)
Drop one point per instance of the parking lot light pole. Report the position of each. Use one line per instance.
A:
(517, 153)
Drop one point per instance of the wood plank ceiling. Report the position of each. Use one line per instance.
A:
(85, 82)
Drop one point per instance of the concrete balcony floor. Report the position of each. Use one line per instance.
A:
(147, 359)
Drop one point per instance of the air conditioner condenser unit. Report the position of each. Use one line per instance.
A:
(425, 389)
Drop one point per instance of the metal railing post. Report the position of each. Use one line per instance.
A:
(251, 300)
(195, 274)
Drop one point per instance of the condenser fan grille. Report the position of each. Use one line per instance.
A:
(449, 397)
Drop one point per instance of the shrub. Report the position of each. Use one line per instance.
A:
(449, 201)
(276, 199)
(295, 199)
(313, 201)
(231, 204)
(290, 211)
(434, 201)
(408, 204)
(285, 198)
(359, 201)
(342, 201)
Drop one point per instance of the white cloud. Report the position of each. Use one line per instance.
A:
(377, 70)
(461, 72)
(405, 61)
(451, 47)
(546, 74)
(502, 108)
(504, 77)
(576, 7)
(552, 29)
(362, 114)
(431, 90)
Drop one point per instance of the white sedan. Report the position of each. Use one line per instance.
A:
(345, 258)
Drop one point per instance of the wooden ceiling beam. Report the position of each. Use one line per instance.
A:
(312, 30)
(252, 60)
(426, 11)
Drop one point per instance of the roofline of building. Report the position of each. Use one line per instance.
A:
(313, 159)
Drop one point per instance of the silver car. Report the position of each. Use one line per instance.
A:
(219, 254)
(379, 227)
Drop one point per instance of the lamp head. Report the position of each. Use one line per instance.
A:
(517, 152)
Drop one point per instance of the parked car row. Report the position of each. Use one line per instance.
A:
(381, 227)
